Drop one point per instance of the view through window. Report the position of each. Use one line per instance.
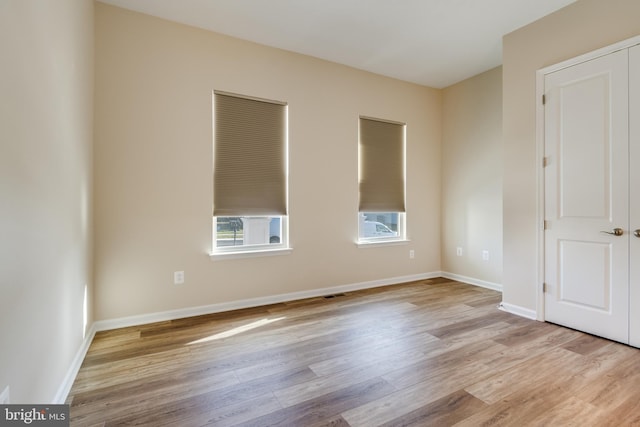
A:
(249, 231)
(380, 225)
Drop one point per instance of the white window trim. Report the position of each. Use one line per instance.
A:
(220, 256)
(367, 242)
(363, 244)
(249, 251)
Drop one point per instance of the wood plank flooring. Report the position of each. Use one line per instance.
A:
(428, 353)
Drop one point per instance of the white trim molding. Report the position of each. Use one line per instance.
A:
(472, 281)
(362, 244)
(220, 256)
(72, 372)
(103, 325)
(518, 311)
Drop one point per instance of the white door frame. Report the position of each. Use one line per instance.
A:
(540, 75)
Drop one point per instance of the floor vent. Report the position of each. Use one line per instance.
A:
(333, 296)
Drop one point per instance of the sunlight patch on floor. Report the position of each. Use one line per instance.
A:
(236, 331)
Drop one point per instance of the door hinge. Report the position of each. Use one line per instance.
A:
(545, 162)
(544, 287)
(545, 225)
(544, 99)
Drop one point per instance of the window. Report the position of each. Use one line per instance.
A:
(234, 232)
(381, 180)
(380, 224)
(249, 173)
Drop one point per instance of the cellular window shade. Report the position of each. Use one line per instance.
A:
(381, 166)
(249, 175)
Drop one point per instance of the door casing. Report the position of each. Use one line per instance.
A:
(540, 131)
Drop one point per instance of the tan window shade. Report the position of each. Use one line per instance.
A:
(381, 166)
(249, 168)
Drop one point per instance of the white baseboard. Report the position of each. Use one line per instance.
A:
(519, 311)
(504, 306)
(472, 281)
(103, 325)
(72, 372)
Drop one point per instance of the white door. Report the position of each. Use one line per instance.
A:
(634, 192)
(587, 196)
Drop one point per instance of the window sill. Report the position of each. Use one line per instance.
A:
(374, 244)
(220, 256)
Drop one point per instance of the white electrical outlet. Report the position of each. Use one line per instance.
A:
(485, 255)
(412, 254)
(178, 277)
(4, 396)
(459, 251)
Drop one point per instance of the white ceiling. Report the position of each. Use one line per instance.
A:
(430, 42)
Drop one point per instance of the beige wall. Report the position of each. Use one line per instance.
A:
(579, 28)
(472, 177)
(153, 171)
(46, 81)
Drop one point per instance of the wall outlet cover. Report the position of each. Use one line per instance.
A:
(178, 277)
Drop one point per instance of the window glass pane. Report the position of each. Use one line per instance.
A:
(374, 225)
(248, 231)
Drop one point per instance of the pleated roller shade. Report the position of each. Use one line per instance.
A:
(382, 187)
(249, 168)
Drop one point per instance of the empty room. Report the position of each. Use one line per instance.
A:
(314, 213)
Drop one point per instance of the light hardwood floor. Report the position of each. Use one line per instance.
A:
(428, 353)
